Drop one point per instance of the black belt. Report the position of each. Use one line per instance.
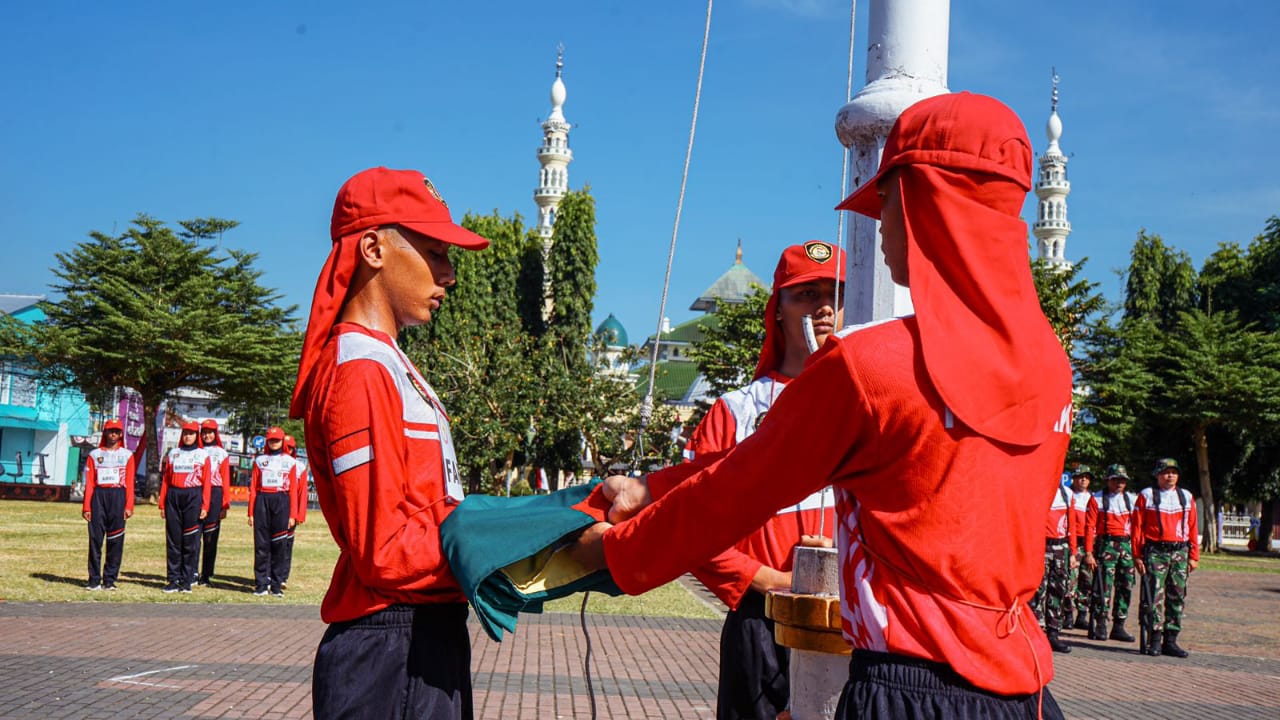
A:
(1113, 537)
(1166, 546)
(1054, 542)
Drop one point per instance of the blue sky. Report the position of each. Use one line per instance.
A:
(259, 111)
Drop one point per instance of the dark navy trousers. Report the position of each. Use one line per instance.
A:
(407, 662)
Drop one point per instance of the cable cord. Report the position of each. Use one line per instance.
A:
(586, 661)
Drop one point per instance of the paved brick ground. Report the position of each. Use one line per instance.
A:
(107, 660)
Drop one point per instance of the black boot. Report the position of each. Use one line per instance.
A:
(1082, 621)
(1170, 646)
(1056, 643)
(1153, 643)
(1099, 631)
(1118, 633)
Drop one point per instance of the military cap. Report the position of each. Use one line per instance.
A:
(1166, 464)
(1117, 470)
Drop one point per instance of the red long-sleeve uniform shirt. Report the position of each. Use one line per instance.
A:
(109, 468)
(274, 473)
(1173, 519)
(732, 418)
(934, 566)
(187, 468)
(1062, 522)
(220, 464)
(1079, 512)
(384, 468)
(1116, 520)
(300, 497)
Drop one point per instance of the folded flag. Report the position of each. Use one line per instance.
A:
(508, 553)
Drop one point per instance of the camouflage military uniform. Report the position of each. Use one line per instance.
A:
(1168, 570)
(1115, 565)
(1052, 597)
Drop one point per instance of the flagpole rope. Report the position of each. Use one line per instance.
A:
(844, 190)
(646, 407)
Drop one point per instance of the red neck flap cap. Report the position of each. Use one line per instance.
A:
(813, 260)
(111, 425)
(372, 198)
(964, 168)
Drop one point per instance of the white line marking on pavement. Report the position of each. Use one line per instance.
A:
(129, 679)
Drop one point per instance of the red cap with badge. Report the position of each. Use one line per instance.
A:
(813, 260)
(372, 198)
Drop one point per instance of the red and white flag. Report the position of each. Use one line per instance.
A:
(542, 479)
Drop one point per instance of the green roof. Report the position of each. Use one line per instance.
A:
(672, 381)
(732, 287)
(689, 331)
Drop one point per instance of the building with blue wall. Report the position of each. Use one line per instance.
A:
(40, 424)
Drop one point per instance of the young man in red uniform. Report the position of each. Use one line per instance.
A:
(185, 486)
(382, 458)
(1059, 559)
(219, 498)
(754, 680)
(299, 506)
(108, 503)
(908, 418)
(271, 500)
(1167, 549)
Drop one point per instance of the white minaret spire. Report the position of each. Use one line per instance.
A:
(1051, 227)
(555, 155)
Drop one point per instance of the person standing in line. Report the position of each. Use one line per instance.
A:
(219, 498)
(1082, 577)
(1164, 539)
(382, 457)
(108, 503)
(1059, 558)
(1108, 536)
(299, 507)
(754, 681)
(275, 479)
(185, 487)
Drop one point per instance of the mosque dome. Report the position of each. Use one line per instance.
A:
(612, 332)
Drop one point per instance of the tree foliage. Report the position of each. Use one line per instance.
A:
(1191, 369)
(731, 345)
(154, 310)
(521, 387)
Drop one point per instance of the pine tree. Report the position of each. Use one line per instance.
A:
(153, 310)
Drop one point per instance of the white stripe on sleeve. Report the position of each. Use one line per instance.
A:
(353, 459)
(422, 434)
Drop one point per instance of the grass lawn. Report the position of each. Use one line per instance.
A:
(1241, 561)
(44, 558)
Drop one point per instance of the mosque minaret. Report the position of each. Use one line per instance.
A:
(554, 155)
(1051, 227)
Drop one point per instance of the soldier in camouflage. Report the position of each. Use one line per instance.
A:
(1081, 577)
(1110, 556)
(1059, 557)
(1164, 537)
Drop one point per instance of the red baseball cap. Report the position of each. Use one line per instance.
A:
(275, 433)
(191, 426)
(814, 260)
(381, 196)
(113, 425)
(938, 131)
